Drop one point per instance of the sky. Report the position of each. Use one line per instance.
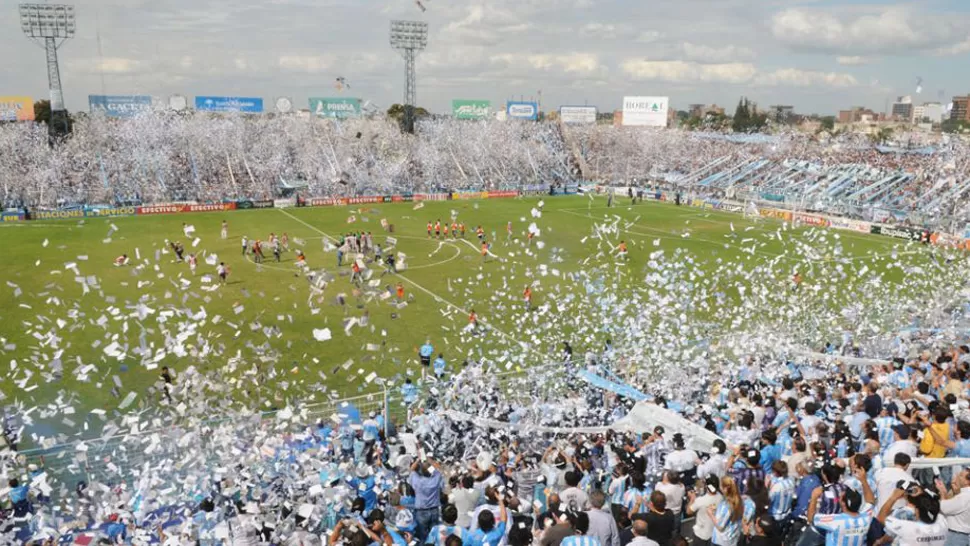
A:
(817, 55)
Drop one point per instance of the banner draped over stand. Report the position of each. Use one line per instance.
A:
(642, 419)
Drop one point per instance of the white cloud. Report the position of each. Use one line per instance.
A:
(309, 64)
(577, 63)
(117, 65)
(891, 30)
(602, 30)
(731, 73)
(851, 60)
(955, 49)
(649, 36)
(709, 54)
(793, 77)
(688, 72)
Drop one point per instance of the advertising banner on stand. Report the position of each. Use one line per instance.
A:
(501, 193)
(11, 216)
(107, 212)
(284, 203)
(56, 214)
(850, 225)
(901, 232)
(246, 105)
(470, 109)
(645, 111)
(161, 209)
(776, 213)
(120, 106)
(432, 196)
(469, 195)
(210, 207)
(577, 115)
(800, 218)
(16, 108)
(335, 107)
(522, 110)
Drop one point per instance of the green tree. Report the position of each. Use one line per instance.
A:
(955, 126)
(828, 123)
(883, 136)
(742, 116)
(42, 111)
(396, 112)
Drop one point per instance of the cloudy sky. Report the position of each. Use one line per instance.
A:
(818, 55)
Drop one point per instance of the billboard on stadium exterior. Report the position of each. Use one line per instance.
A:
(120, 106)
(335, 107)
(645, 111)
(522, 110)
(16, 108)
(578, 115)
(470, 109)
(246, 105)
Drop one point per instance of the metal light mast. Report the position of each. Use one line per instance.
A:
(51, 25)
(409, 37)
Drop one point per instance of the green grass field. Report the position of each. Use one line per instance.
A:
(257, 331)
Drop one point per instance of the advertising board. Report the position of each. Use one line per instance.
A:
(16, 108)
(645, 111)
(335, 107)
(522, 110)
(120, 106)
(246, 105)
(577, 115)
(470, 109)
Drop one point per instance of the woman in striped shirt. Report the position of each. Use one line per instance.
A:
(727, 515)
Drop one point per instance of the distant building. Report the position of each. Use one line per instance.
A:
(704, 110)
(858, 114)
(781, 114)
(918, 113)
(933, 112)
(961, 108)
(903, 109)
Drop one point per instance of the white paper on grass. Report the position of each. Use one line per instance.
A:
(322, 334)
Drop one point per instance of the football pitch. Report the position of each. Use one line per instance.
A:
(83, 339)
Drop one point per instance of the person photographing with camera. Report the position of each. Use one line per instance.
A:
(928, 529)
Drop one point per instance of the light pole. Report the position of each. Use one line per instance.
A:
(51, 25)
(409, 37)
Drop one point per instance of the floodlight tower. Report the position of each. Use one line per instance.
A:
(409, 37)
(51, 25)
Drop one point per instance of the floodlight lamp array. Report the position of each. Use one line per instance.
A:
(409, 34)
(47, 20)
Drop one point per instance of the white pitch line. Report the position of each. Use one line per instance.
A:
(421, 288)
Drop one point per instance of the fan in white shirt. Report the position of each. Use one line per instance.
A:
(680, 459)
(888, 478)
(955, 504)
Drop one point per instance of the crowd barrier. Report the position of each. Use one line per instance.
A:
(798, 218)
(104, 211)
(809, 219)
